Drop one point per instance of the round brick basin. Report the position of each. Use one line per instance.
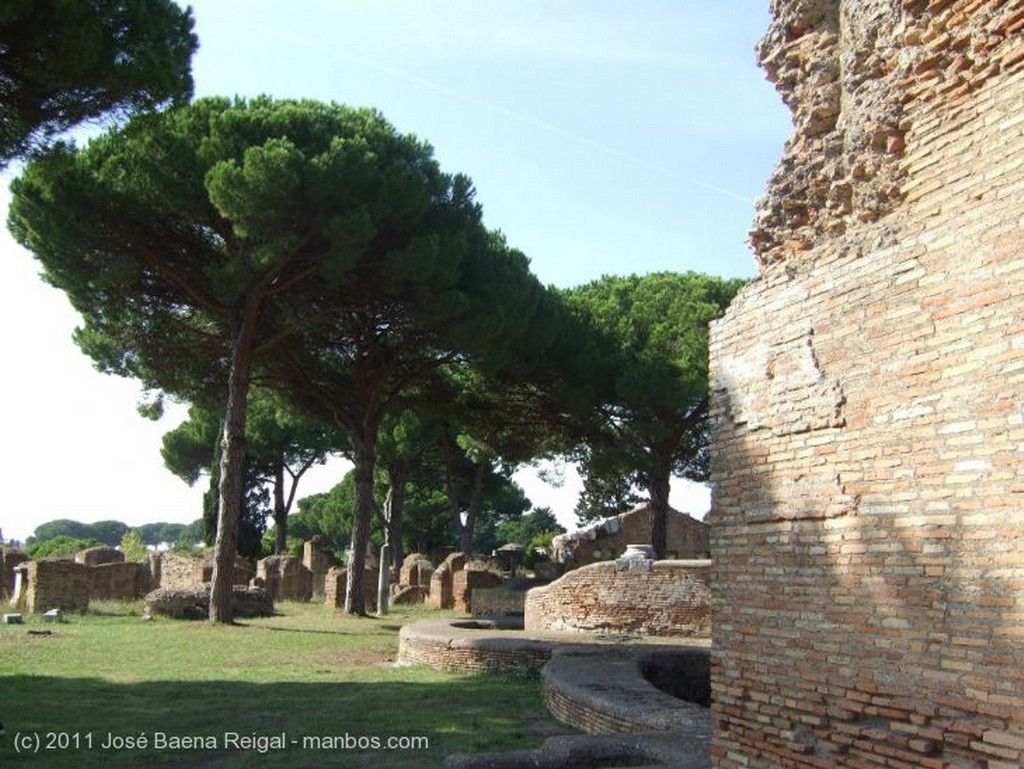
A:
(601, 684)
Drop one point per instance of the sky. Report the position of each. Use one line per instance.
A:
(603, 138)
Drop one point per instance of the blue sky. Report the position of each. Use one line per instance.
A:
(602, 137)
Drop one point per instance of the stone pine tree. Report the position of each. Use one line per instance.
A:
(204, 241)
(652, 424)
(66, 61)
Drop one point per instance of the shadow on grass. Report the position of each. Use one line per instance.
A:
(194, 724)
(295, 629)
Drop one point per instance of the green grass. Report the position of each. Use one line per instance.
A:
(308, 673)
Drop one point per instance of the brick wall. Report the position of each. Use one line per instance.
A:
(867, 533)
(55, 584)
(94, 556)
(442, 594)
(672, 599)
(118, 581)
(177, 571)
(318, 559)
(336, 583)
(468, 580)
(285, 578)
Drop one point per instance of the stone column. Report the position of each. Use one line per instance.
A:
(384, 580)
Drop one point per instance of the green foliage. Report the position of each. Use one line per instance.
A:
(330, 514)
(64, 61)
(191, 537)
(525, 529)
(268, 544)
(133, 547)
(59, 546)
(160, 533)
(104, 532)
(652, 425)
(539, 547)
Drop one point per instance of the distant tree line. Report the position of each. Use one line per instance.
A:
(112, 532)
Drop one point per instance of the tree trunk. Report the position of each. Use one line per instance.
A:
(658, 487)
(476, 499)
(232, 463)
(453, 493)
(280, 511)
(363, 456)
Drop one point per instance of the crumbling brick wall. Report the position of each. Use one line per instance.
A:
(175, 571)
(336, 583)
(94, 556)
(672, 599)
(442, 591)
(285, 578)
(318, 559)
(54, 584)
(868, 423)
(118, 581)
(465, 581)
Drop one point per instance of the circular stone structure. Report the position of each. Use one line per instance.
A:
(612, 683)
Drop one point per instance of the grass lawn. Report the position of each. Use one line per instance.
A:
(310, 687)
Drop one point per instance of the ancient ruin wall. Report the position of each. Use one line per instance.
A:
(867, 533)
(8, 560)
(55, 584)
(672, 598)
(686, 537)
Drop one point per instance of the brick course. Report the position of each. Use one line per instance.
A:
(868, 423)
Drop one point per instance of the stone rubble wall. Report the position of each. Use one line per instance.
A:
(672, 598)
(607, 540)
(867, 402)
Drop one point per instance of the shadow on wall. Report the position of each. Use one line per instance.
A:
(865, 529)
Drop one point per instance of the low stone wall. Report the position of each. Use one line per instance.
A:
(54, 584)
(285, 578)
(118, 581)
(335, 584)
(460, 646)
(466, 581)
(175, 571)
(672, 599)
(179, 571)
(611, 692)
